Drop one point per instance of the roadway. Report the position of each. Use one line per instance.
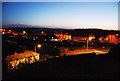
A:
(85, 51)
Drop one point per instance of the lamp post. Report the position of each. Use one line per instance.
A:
(37, 46)
(88, 39)
(87, 44)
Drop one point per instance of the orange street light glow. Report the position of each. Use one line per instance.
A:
(39, 45)
(90, 39)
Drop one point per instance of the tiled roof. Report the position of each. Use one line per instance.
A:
(21, 55)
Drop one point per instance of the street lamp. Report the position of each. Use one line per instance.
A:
(37, 46)
(89, 39)
(24, 32)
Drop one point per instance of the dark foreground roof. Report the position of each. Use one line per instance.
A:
(70, 67)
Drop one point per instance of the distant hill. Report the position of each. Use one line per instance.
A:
(18, 26)
(26, 26)
(74, 32)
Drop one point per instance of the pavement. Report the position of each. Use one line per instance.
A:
(85, 51)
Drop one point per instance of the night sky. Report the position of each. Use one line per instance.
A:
(68, 15)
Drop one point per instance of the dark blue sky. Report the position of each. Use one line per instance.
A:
(67, 15)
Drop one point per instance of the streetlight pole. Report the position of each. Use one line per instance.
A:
(35, 48)
(87, 44)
